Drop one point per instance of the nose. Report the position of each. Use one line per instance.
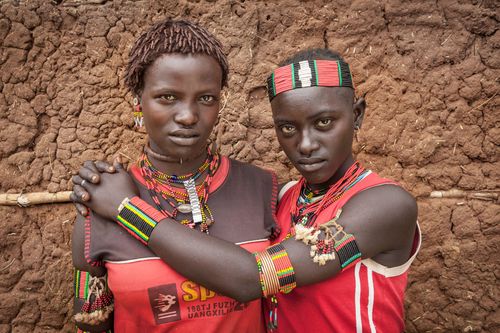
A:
(307, 144)
(187, 115)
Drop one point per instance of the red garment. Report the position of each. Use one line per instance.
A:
(152, 297)
(149, 296)
(367, 297)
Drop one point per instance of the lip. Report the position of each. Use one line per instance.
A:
(184, 137)
(311, 164)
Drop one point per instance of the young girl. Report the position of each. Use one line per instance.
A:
(348, 236)
(176, 72)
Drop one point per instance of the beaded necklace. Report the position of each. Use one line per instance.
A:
(307, 209)
(308, 195)
(193, 201)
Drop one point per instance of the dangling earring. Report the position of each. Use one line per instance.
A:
(138, 118)
(356, 128)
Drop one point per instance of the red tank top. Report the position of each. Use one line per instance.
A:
(150, 296)
(368, 297)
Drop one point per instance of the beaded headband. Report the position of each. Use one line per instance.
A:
(309, 73)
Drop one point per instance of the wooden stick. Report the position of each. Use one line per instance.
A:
(36, 198)
(28, 199)
(455, 193)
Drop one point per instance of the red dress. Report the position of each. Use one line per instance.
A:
(367, 297)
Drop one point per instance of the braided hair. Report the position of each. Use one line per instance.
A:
(169, 36)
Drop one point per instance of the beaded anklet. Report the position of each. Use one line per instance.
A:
(323, 250)
(275, 271)
(138, 218)
(98, 299)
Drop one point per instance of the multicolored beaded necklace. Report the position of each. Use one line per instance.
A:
(193, 200)
(307, 208)
(308, 195)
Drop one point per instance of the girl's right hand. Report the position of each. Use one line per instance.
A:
(102, 187)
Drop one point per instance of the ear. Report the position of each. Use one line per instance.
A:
(358, 109)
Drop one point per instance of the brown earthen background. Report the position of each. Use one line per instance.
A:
(430, 72)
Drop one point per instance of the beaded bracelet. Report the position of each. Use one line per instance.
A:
(323, 250)
(276, 272)
(348, 251)
(138, 218)
(98, 300)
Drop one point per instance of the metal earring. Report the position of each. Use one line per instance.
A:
(356, 128)
(138, 118)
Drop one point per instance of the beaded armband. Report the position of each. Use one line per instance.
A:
(138, 218)
(98, 300)
(276, 272)
(339, 241)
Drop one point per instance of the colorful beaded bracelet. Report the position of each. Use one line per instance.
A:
(138, 218)
(276, 272)
(98, 303)
(348, 251)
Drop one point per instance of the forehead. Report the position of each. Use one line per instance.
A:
(312, 100)
(175, 68)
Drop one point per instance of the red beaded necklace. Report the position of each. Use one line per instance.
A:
(306, 211)
(161, 184)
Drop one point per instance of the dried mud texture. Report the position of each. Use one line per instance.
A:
(429, 70)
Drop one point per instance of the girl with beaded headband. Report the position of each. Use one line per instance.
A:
(348, 236)
(176, 72)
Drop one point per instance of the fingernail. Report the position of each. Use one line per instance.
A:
(111, 168)
(94, 179)
(84, 197)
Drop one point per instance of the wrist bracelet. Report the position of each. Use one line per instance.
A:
(138, 218)
(276, 272)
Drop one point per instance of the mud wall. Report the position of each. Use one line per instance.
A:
(430, 72)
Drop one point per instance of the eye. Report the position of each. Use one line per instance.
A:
(287, 129)
(207, 99)
(168, 97)
(323, 123)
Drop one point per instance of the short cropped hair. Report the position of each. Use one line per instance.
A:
(169, 36)
(312, 54)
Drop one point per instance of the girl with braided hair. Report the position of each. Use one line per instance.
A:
(176, 72)
(348, 236)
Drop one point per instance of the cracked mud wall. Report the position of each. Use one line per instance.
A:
(430, 72)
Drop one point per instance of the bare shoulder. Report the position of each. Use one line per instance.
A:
(383, 218)
(390, 202)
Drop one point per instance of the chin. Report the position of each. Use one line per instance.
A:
(315, 180)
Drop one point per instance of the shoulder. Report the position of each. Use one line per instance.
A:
(390, 195)
(389, 200)
(384, 217)
(283, 188)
